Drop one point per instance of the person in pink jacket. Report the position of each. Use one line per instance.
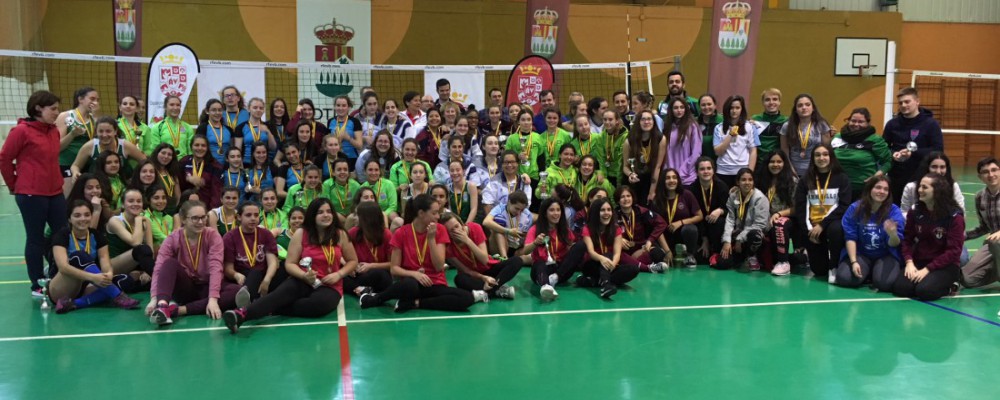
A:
(189, 271)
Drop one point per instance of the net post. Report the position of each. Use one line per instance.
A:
(628, 78)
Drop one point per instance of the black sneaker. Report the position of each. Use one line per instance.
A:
(608, 289)
(367, 300)
(234, 318)
(584, 281)
(404, 305)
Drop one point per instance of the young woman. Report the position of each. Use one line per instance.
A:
(202, 172)
(295, 219)
(171, 130)
(495, 125)
(252, 132)
(346, 129)
(188, 275)
(489, 163)
(642, 157)
(144, 176)
(291, 173)
(506, 183)
(400, 128)
(236, 112)
(477, 272)
(463, 198)
(554, 136)
(162, 224)
(456, 151)
(509, 222)
(810, 130)
(745, 224)
(364, 195)
(615, 134)
(277, 119)
(341, 189)
(820, 200)
(106, 140)
(220, 137)
(130, 244)
(331, 153)
(589, 176)
(272, 218)
(381, 150)
(429, 140)
(777, 181)
(643, 101)
(260, 175)
(250, 258)
(938, 225)
(735, 140)
(371, 243)
(682, 214)
(712, 195)
(235, 175)
(683, 141)
(873, 229)
(586, 142)
(108, 172)
(417, 185)
(471, 147)
(449, 114)
(935, 163)
(861, 151)
(75, 126)
(439, 192)
(527, 145)
(94, 190)
(400, 172)
(303, 194)
(306, 111)
(225, 218)
(168, 173)
(606, 266)
(85, 274)
(385, 191)
(302, 139)
(707, 121)
(129, 122)
(574, 206)
(554, 255)
(418, 260)
(562, 171)
(641, 232)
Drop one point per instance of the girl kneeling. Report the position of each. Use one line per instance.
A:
(871, 230)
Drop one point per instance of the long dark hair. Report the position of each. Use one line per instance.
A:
(944, 198)
(925, 166)
(683, 124)
(371, 225)
(660, 202)
(813, 172)
(421, 202)
(864, 211)
(727, 115)
(331, 233)
(391, 156)
(794, 120)
(783, 182)
(860, 110)
(76, 192)
(203, 119)
(135, 117)
(273, 122)
(635, 139)
(570, 196)
(599, 233)
(542, 223)
(136, 182)
(171, 167)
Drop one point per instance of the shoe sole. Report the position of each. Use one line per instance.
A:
(781, 273)
(243, 297)
(548, 295)
(608, 293)
(160, 318)
(510, 295)
(231, 322)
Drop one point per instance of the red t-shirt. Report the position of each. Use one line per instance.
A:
(367, 254)
(541, 253)
(464, 254)
(406, 240)
(600, 246)
(235, 252)
(320, 263)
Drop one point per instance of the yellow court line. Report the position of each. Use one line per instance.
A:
(14, 282)
(12, 263)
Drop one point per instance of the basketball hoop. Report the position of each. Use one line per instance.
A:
(866, 71)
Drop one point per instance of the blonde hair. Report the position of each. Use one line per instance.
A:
(770, 91)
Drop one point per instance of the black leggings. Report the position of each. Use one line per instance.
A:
(502, 272)
(713, 232)
(254, 277)
(541, 270)
(749, 248)
(377, 279)
(934, 286)
(434, 297)
(883, 273)
(295, 298)
(823, 256)
(780, 238)
(686, 235)
(621, 275)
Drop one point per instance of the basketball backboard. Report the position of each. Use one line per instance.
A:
(852, 53)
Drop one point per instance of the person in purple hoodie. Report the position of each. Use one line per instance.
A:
(932, 243)
(913, 124)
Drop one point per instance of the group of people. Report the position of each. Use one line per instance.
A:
(225, 218)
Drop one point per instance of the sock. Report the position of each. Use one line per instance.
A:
(98, 296)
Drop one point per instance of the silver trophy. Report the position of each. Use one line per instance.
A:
(548, 250)
(543, 183)
(630, 118)
(44, 283)
(306, 262)
(527, 152)
(912, 147)
(631, 165)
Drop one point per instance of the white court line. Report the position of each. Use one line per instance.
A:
(341, 314)
(478, 316)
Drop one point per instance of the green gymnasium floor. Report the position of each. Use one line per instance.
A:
(684, 334)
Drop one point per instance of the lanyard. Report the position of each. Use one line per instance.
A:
(129, 128)
(87, 126)
(251, 259)
(629, 224)
(76, 242)
(232, 121)
(218, 136)
(672, 209)
(194, 256)
(705, 198)
(743, 205)
(175, 136)
(421, 254)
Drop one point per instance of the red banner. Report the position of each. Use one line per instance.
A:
(127, 20)
(735, 24)
(529, 77)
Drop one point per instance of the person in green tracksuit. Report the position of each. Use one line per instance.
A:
(531, 149)
(553, 138)
(589, 178)
(303, 193)
(587, 143)
(559, 172)
(771, 121)
(861, 152)
(615, 135)
(340, 188)
(170, 130)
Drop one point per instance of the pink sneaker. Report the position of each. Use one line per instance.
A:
(781, 269)
(124, 302)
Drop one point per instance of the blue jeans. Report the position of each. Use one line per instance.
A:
(36, 211)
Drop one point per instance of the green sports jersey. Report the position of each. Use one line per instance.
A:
(385, 194)
(301, 197)
(861, 154)
(342, 196)
(176, 132)
(593, 146)
(533, 149)
(611, 163)
(770, 134)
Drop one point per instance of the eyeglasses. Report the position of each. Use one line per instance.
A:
(230, 95)
(198, 218)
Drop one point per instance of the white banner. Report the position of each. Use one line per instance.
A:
(332, 32)
(467, 87)
(249, 80)
(172, 71)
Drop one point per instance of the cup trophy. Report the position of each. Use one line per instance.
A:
(543, 183)
(548, 250)
(631, 166)
(306, 262)
(912, 147)
(527, 152)
(630, 117)
(44, 283)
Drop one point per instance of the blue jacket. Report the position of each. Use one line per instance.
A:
(871, 238)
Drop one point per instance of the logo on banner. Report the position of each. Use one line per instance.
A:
(734, 33)
(125, 23)
(544, 32)
(173, 75)
(529, 77)
(334, 38)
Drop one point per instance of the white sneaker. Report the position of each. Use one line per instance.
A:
(548, 293)
(505, 292)
(658, 268)
(553, 279)
(243, 297)
(480, 296)
(781, 269)
(832, 277)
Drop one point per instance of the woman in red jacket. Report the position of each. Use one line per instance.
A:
(932, 242)
(642, 230)
(35, 179)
